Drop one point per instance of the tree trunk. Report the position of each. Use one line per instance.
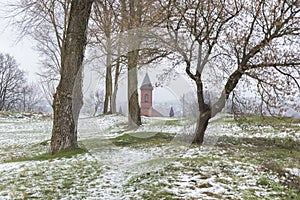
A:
(77, 100)
(108, 78)
(114, 95)
(134, 115)
(201, 127)
(134, 22)
(68, 98)
(116, 83)
(204, 113)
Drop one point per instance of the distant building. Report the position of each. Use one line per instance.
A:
(146, 99)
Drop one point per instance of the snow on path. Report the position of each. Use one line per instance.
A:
(120, 163)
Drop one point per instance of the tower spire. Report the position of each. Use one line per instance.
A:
(146, 85)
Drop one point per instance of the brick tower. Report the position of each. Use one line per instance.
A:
(146, 99)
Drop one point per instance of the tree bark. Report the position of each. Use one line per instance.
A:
(134, 22)
(68, 98)
(204, 112)
(202, 121)
(201, 127)
(134, 115)
(208, 111)
(108, 78)
(116, 83)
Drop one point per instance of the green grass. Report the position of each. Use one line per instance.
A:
(51, 180)
(274, 154)
(250, 122)
(67, 153)
(264, 181)
(284, 143)
(158, 177)
(176, 122)
(142, 138)
(156, 183)
(259, 119)
(282, 150)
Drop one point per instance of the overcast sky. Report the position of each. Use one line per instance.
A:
(22, 50)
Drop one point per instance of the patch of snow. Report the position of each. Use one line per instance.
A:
(294, 171)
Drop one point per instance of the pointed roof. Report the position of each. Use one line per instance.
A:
(146, 85)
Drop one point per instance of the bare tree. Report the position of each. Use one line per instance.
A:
(118, 31)
(250, 38)
(137, 17)
(67, 21)
(194, 28)
(268, 52)
(11, 81)
(46, 22)
(98, 101)
(131, 12)
(68, 96)
(107, 26)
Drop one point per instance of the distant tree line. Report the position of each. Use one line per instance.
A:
(15, 92)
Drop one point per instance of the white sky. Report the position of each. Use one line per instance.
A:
(22, 50)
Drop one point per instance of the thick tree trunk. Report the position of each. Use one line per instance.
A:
(208, 111)
(204, 113)
(68, 98)
(134, 22)
(201, 127)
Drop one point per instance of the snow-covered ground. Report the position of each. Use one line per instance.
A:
(158, 170)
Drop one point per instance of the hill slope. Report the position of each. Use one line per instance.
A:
(156, 161)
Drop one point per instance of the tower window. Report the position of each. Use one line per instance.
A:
(146, 98)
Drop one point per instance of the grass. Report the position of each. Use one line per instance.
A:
(169, 172)
(274, 155)
(258, 119)
(249, 122)
(284, 143)
(142, 138)
(285, 150)
(51, 180)
(176, 122)
(67, 153)
(164, 182)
